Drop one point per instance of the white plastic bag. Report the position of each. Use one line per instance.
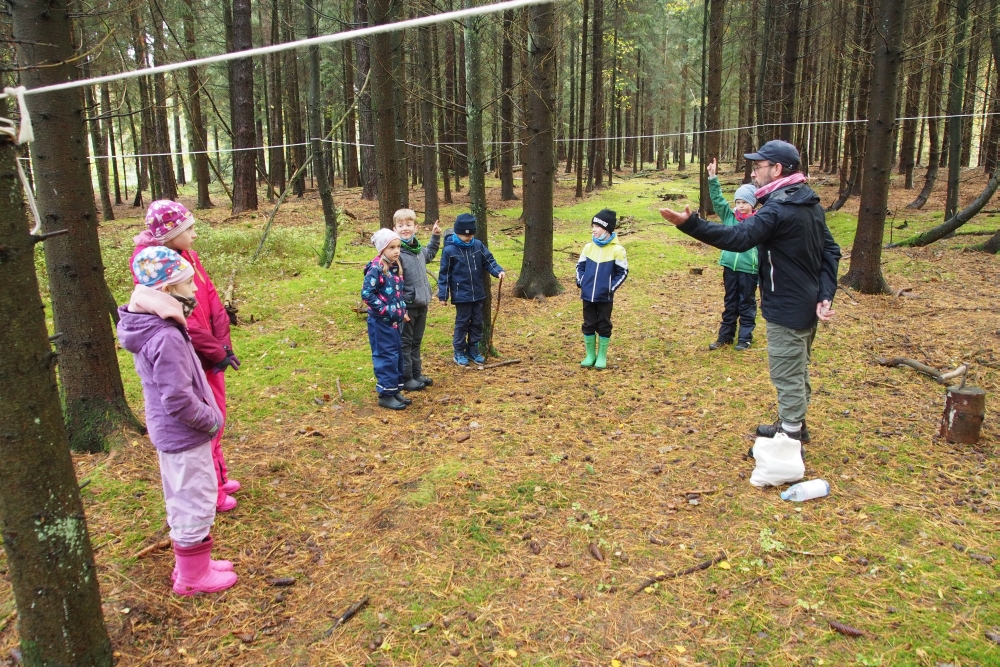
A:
(779, 461)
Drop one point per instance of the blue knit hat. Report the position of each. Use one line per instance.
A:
(465, 223)
(156, 266)
(747, 192)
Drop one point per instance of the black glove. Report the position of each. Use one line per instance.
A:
(231, 361)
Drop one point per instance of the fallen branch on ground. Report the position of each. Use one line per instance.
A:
(347, 615)
(156, 546)
(933, 373)
(680, 573)
(500, 363)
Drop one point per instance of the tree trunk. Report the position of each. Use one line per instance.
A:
(443, 152)
(914, 82)
(366, 119)
(461, 119)
(971, 83)
(428, 150)
(200, 137)
(582, 103)
(992, 143)
(473, 36)
(959, 219)
(161, 128)
(294, 131)
(91, 383)
(507, 109)
(244, 130)
(955, 92)
(789, 70)
(276, 126)
(49, 557)
(865, 274)
(762, 131)
(713, 119)
(595, 162)
(179, 164)
(106, 113)
(571, 130)
(934, 103)
(99, 140)
(537, 276)
(351, 152)
(389, 181)
(316, 145)
(399, 110)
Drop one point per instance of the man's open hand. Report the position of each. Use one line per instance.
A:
(676, 217)
(824, 312)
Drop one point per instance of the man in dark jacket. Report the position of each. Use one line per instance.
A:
(797, 270)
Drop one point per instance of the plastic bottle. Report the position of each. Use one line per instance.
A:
(814, 488)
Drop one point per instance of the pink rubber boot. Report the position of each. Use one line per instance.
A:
(195, 573)
(231, 486)
(217, 565)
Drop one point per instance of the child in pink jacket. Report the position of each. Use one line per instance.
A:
(182, 416)
(170, 224)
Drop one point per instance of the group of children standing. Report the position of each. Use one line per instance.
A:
(178, 331)
(398, 293)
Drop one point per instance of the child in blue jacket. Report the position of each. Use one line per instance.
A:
(382, 292)
(462, 262)
(601, 270)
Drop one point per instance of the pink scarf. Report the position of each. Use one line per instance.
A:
(764, 190)
(154, 302)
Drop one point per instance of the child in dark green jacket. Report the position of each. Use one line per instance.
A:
(739, 269)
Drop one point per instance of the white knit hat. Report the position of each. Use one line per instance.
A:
(382, 238)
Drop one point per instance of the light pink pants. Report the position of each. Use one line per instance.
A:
(217, 381)
(189, 492)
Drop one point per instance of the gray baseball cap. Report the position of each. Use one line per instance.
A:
(778, 152)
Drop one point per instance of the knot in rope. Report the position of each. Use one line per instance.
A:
(27, 133)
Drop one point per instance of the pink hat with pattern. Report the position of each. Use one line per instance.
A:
(167, 219)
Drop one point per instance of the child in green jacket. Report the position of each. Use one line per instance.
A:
(739, 269)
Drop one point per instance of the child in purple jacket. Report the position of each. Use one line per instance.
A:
(181, 412)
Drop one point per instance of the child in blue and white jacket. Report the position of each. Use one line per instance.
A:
(601, 270)
(462, 262)
(382, 292)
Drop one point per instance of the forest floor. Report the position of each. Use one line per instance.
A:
(473, 521)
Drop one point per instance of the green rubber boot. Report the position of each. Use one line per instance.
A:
(602, 353)
(591, 342)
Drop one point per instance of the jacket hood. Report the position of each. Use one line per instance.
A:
(799, 194)
(145, 238)
(135, 329)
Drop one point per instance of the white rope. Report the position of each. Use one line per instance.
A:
(438, 144)
(287, 46)
(22, 136)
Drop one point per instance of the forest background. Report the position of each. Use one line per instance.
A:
(534, 120)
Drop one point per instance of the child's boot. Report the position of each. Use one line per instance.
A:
(591, 342)
(195, 573)
(224, 502)
(602, 353)
(217, 565)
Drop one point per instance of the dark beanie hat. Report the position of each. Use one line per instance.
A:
(465, 223)
(606, 219)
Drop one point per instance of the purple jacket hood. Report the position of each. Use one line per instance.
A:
(181, 411)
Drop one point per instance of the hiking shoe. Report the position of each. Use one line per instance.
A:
(391, 402)
(413, 385)
(742, 346)
(461, 359)
(771, 430)
(425, 380)
(478, 358)
(719, 343)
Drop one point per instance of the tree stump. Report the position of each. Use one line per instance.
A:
(964, 411)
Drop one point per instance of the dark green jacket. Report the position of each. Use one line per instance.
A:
(744, 262)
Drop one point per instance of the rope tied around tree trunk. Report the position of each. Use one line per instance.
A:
(20, 136)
